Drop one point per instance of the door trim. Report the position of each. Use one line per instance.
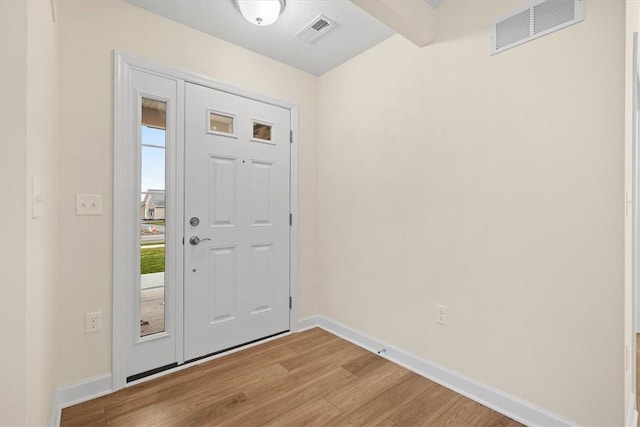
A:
(635, 191)
(635, 226)
(123, 262)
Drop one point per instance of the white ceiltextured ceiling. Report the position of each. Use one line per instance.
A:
(356, 31)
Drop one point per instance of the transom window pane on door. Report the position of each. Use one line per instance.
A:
(262, 131)
(152, 216)
(220, 123)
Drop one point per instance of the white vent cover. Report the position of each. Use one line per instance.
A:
(535, 21)
(316, 29)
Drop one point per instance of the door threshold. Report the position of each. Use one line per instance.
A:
(174, 367)
(150, 372)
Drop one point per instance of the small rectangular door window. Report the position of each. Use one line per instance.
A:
(152, 216)
(221, 124)
(262, 131)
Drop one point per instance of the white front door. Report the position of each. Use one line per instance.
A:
(236, 215)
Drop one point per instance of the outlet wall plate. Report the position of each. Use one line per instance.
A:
(441, 314)
(93, 322)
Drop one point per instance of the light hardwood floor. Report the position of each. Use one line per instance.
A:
(309, 378)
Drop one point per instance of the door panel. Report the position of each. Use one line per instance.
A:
(262, 267)
(237, 169)
(222, 284)
(223, 178)
(261, 193)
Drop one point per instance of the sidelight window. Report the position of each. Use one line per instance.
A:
(152, 216)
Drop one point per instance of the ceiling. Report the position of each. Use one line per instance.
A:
(355, 32)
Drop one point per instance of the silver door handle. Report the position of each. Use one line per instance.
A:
(194, 240)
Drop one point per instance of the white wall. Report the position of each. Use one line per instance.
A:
(490, 184)
(632, 26)
(89, 31)
(28, 76)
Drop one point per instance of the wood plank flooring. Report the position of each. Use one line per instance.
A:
(311, 378)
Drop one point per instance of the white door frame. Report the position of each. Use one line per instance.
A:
(124, 262)
(635, 218)
(635, 161)
(635, 211)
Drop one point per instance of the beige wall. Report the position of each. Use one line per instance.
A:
(89, 31)
(490, 184)
(42, 233)
(28, 115)
(632, 26)
(13, 161)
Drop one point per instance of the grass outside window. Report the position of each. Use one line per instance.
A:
(151, 260)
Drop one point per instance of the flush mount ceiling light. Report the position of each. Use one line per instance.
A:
(261, 12)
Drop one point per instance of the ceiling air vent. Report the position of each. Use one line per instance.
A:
(316, 29)
(542, 18)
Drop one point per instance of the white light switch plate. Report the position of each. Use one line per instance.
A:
(88, 204)
(36, 197)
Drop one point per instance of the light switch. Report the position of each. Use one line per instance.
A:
(88, 204)
(36, 197)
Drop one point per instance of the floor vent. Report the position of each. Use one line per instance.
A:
(316, 29)
(535, 21)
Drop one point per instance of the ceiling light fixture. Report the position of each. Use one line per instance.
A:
(261, 12)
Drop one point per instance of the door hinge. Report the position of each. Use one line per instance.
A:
(291, 136)
(183, 241)
(290, 303)
(290, 219)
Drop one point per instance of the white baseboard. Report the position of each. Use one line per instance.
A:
(78, 393)
(632, 415)
(55, 411)
(307, 323)
(513, 407)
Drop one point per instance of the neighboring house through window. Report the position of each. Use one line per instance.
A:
(152, 206)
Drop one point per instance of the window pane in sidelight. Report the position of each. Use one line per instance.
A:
(152, 216)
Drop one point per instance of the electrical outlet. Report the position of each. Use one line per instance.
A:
(441, 314)
(93, 322)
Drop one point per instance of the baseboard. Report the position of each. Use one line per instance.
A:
(80, 392)
(513, 407)
(55, 411)
(632, 415)
(307, 323)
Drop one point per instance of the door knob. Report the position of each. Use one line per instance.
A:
(194, 240)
